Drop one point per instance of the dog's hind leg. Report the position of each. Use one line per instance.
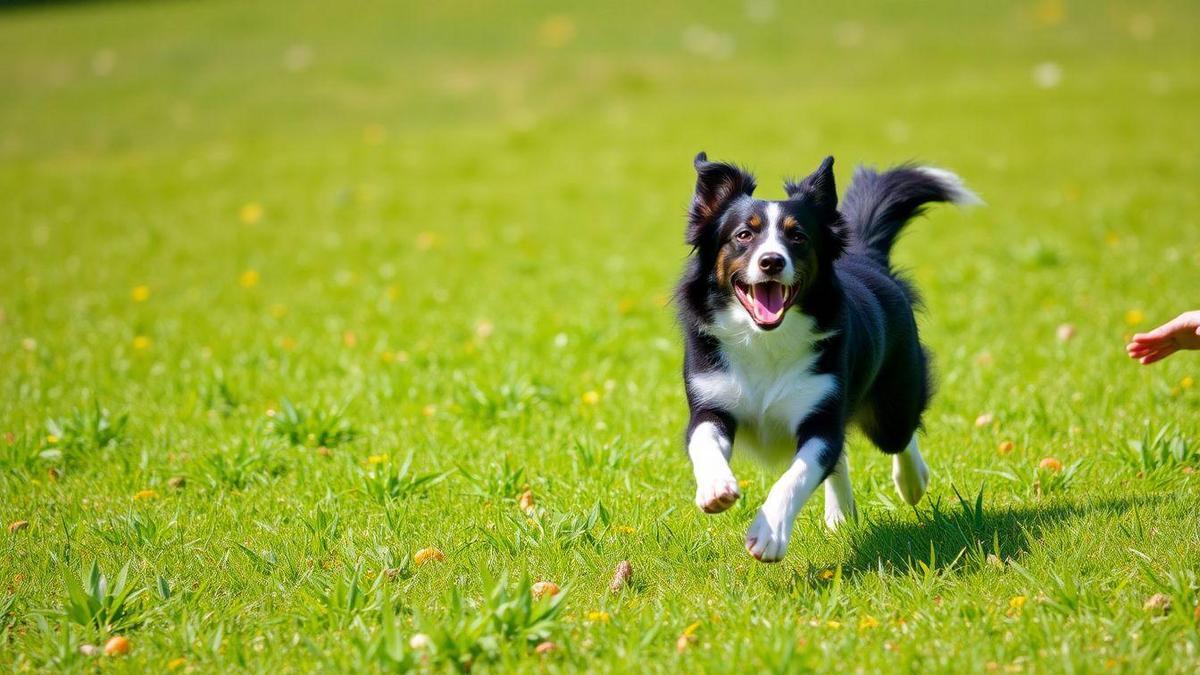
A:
(839, 497)
(909, 473)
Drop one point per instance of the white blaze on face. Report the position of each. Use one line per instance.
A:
(773, 244)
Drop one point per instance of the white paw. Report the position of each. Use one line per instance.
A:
(911, 476)
(835, 516)
(714, 495)
(768, 537)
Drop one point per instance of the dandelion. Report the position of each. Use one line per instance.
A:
(867, 622)
(825, 575)
(833, 624)
(248, 279)
(377, 459)
(1134, 316)
(145, 495)
(1005, 447)
(176, 664)
(250, 213)
(142, 343)
(140, 293)
(598, 617)
(117, 646)
(591, 397)
(1186, 382)
(624, 529)
(1016, 602)
(1051, 464)
(428, 554)
(429, 410)
(543, 589)
(51, 439)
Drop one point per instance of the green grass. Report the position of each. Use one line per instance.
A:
(447, 236)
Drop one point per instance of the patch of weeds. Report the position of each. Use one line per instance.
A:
(339, 603)
(385, 649)
(217, 396)
(507, 618)
(85, 430)
(324, 529)
(509, 401)
(1166, 448)
(240, 465)
(499, 481)
(605, 457)
(137, 530)
(20, 454)
(92, 601)
(1040, 481)
(312, 427)
(383, 485)
(1178, 582)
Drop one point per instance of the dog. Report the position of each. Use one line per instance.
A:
(795, 325)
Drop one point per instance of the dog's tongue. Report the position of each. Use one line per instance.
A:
(768, 301)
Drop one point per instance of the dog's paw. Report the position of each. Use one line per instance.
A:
(717, 494)
(768, 537)
(910, 476)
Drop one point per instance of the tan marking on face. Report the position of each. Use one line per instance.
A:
(754, 221)
(727, 266)
(789, 222)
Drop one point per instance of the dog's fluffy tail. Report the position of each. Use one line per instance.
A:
(877, 206)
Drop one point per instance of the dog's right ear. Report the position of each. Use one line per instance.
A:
(717, 184)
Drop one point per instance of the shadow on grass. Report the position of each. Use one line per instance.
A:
(945, 531)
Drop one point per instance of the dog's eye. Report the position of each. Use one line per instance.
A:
(798, 237)
(743, 235)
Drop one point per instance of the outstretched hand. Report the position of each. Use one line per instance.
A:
(1182, 332)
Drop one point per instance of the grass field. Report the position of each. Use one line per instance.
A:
(362, 277)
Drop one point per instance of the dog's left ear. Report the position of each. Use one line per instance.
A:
(818, 187)
(717, 184)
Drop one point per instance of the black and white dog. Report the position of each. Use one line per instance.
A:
(794, 326)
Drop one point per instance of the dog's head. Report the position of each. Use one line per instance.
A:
(766, 254)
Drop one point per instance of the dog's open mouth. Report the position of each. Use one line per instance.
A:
(766, 302)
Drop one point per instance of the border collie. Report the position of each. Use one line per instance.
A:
(795, 325)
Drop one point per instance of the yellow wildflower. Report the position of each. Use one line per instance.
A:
(598, 617)
(1134, 316)
(140, 293)
(377, 459)
(141, 342)
(250, 213)
(248, 279)
(591, 397)
(143, 495)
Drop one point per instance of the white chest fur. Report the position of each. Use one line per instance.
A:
(768, 384)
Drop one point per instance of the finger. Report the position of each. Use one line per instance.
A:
(1157, 356)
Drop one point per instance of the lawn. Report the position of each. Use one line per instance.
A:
(292, 291)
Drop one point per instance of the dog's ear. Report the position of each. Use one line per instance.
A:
(717, 184)
(818, 187)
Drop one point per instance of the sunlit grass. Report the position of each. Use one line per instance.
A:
(341, 333)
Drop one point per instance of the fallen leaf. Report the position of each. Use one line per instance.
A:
(1051, 464)
(622, 576)
(544, 589)
(1158, 604)
(428, 554)
(117, 646)
(17, 526)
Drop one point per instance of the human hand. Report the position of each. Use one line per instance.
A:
(1182, 332)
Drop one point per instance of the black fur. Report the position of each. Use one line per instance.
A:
(874, 352)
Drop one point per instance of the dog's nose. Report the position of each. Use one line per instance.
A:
(771, 263)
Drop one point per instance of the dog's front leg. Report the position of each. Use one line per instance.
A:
(710, 445)
(768, 537)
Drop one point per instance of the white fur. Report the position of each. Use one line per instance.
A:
(773, 244)
(716, 488)
(960, 194)
(771, 530)
(839, 496)
(768, 384)
(910, 474)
